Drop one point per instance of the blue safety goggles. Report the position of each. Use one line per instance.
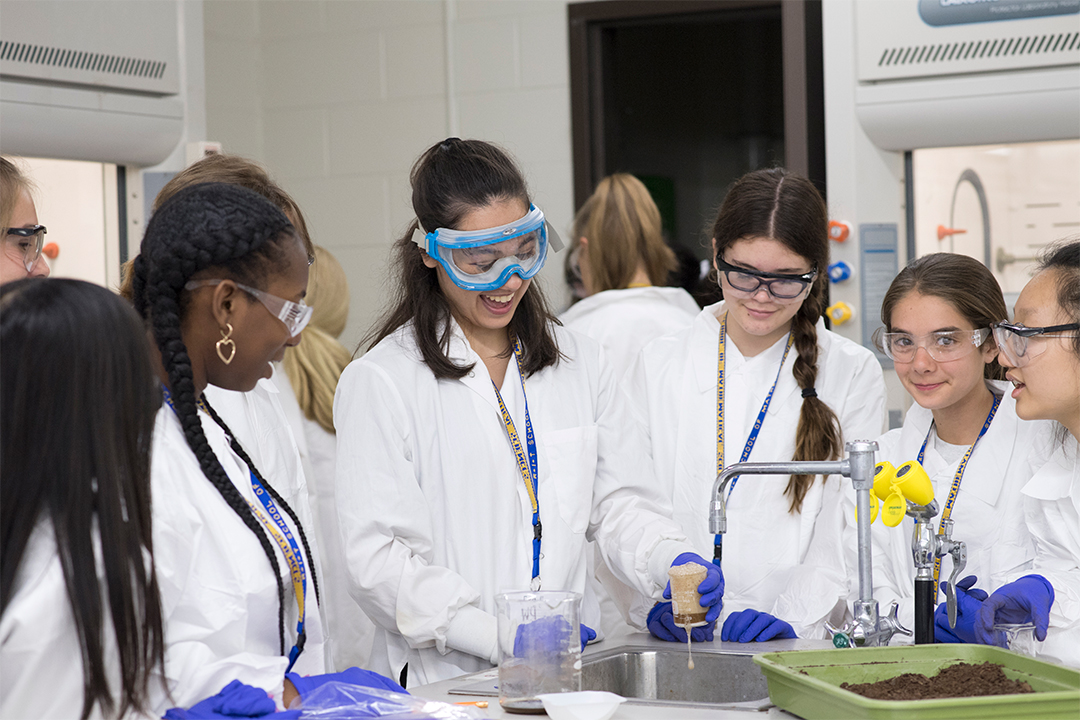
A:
(482, 260)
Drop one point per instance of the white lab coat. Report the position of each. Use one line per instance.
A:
(41, 673)
(349, 631)
(1052, 510)
(218, 593)
(434, 515)
(673, 385)
(987, 514)
(625, 321)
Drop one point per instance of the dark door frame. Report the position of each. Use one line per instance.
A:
(804, 105)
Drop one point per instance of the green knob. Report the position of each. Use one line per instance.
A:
(841, 640)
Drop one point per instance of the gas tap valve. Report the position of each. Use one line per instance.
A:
(957, 550)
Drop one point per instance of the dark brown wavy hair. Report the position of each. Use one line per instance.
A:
(450, 179)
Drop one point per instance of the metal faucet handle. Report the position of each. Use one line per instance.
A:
(893, 621)
(958, 552)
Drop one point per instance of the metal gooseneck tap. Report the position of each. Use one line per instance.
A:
(926, 548)
(867, 628)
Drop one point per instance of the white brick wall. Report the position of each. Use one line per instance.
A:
(339, 97)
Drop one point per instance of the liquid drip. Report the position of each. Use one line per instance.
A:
(689, 652)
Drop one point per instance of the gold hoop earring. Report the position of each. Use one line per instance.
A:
(226, 341)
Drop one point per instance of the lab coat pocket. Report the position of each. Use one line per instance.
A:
(570, 456)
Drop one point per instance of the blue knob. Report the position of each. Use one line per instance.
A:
(839, 271)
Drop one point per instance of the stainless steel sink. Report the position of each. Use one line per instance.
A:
(655, 673)
(660, 676)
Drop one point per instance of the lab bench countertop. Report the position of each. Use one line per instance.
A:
(630, 711)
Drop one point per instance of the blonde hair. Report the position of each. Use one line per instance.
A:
(622, 224)
(12, 184)
(314, 365)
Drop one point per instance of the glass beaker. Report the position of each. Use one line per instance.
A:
(1018, 637)
(539, 647)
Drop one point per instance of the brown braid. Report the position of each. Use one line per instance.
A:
(818, 435)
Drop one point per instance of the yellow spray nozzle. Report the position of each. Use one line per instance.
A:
(884, 477)
(913, 482)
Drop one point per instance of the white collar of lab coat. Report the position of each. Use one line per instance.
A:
(704, 342)
(477, 379)
(1059, 478)
(985, 473)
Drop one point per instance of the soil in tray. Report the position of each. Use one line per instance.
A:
(960, 680)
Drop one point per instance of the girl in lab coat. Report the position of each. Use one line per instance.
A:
(480, 444)
(963, 430)
(757, 377)
(624, 264)
(23, 238)
(261, 419)
(220, 279)
(80, 617)
(1040, 350)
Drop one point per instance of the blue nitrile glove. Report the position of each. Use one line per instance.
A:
(755, 626)
(661, 623)
(711, 588)
(235, 700)
(546, 636)
(353, 676)
(1028, 599)
(968, 601)
(587, 635)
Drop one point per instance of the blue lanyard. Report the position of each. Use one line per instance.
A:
(526, 461)
(720, 408)
(958, 478)
(720, 404)
(285, 540)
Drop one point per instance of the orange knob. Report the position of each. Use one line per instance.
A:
(944, 232)
(51, 250)
(839, 230)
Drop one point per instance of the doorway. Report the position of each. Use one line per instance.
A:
(688, 96)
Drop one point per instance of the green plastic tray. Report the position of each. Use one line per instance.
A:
(807, 683)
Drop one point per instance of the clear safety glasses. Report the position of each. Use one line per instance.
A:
(24, 244)
(941, 346)
(779, 285)
(1015, 340)
(295, 315)
(481, 260)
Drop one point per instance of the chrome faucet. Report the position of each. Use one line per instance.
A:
(926, 547)
(866, 627)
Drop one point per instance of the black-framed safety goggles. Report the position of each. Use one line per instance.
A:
(27, 243)
(779, 285)
(1013, 340)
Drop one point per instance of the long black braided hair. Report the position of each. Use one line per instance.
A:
(243, 236)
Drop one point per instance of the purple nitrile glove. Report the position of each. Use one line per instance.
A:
(352, 676)
(755, 626)
(969, 600)
(1028, 599)
(236, 700)
(546, 636)
(661, 624)
(711, 588)
(587, 635)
